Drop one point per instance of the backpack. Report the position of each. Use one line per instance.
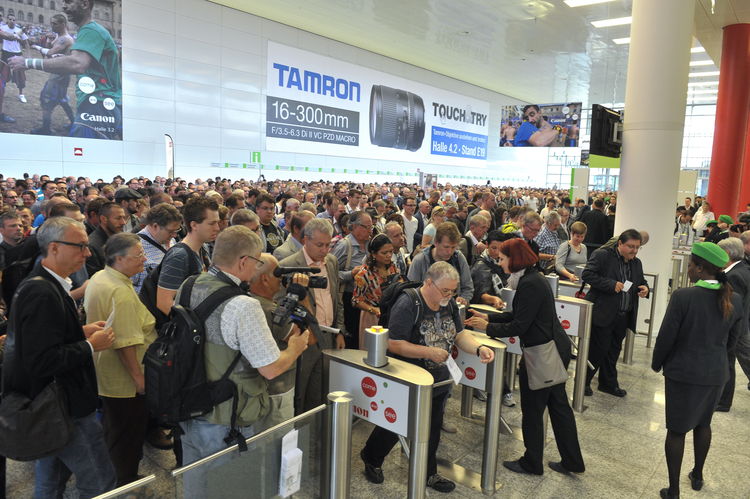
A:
(392, 292)
(174, 365)
(17, 270)
(151, 283)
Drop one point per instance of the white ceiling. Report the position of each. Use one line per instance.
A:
(533, 50)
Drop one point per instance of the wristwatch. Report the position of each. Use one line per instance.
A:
(480, 346)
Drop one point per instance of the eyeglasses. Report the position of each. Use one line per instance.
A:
(446, 292)
(368, 227)
(138, 256)
(81, 246)
(258, 262)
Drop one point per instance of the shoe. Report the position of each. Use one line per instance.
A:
(722, 408)
(515, 467)
(480, 395)
(372, 473)
(558, 466)
(588, 391)
(22, 98)
(440, 484)
(695, 483)
(4, 118)
(508, 400)
(40, 131)
(664, 494)
(449, 428)
(617, 392)
(159, 439)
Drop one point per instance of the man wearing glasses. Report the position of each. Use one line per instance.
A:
(237, 326)
(616, 279)
(271, 234)
(535, 130)
(413, 227)
(162, 223)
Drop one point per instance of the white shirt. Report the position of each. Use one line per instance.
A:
(66, 284)
(410, 228)
(13, 45)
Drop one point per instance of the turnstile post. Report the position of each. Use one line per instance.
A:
(492, 419)
(467, 401)
(582, 364)
(339, 444)
(420, 403)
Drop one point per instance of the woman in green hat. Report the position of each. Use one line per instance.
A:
(691, 352)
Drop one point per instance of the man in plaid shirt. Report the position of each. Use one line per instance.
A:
(547, 239)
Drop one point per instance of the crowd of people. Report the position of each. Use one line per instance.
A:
(107, 261)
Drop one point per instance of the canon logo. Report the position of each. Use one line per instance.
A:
(97, 118)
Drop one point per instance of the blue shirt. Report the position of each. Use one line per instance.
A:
(524, 133)
(39, 220)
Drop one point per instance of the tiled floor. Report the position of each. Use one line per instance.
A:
(622, 442)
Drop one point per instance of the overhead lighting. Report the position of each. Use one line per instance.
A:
(618, 21)
(621, 41)
(703, 74)
(702, 83)
(583, 3)
(701, 63)
(697, 50)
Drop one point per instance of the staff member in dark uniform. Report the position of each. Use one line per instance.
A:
(616, 279)
(534, 321)
(691, 349)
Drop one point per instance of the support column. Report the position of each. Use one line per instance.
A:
(728, 187)
(655, 98)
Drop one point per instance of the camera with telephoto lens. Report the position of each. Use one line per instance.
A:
(289, 308)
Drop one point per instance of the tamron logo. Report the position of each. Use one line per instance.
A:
(316, 83)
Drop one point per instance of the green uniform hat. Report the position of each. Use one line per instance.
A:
(712, 222)
(712, 253)
(726, 219)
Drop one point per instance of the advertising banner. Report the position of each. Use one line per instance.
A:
(541, 125)
(319, 105)
(44, 90)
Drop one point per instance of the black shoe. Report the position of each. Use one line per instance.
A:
(480, 395)
(4, 118)
(40, 131)
(558, 466)
(588, 391)
(695, 483)
(722, 408)
(515, 467)
(160, 439)
(372, 473)
(664, 494)
(440, 484)
(617, 392)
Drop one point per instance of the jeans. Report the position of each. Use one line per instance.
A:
(85, 456)
(201, 439)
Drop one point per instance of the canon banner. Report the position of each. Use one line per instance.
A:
(319, 105)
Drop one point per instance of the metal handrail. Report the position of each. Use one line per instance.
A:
(127, 488)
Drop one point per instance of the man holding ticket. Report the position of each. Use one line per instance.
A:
(616, 278)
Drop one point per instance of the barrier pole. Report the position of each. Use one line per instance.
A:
(467, 401)
(653, 310)
(627, 351)
(582, 364)
(420, 406)
(492, 420)
(339, 444)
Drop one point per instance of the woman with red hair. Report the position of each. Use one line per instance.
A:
(534, 321)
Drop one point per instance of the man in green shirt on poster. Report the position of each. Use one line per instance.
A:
(95, 59)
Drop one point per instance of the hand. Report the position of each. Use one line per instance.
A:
(340, 342)
(461, 300)
(619, 286)
(477, 323)
(375, 310)
(90, 329)
(102, 339)
(436, 354)
(498, 303)
(356, 270)
(298, 341)
(17, 63)
(642, 291)
(480, 247)
(573, 278)
(486, 355)
(2, 340)
(302, 279)
(477, 313)
(140, 384)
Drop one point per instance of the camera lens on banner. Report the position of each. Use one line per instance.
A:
(396, 118)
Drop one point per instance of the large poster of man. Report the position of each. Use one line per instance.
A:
(540, 125)
(60, 69)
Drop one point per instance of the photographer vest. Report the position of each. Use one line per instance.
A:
(252, 387)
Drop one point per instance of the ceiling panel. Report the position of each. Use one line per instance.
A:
(533, 50)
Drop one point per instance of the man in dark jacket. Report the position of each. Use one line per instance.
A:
(53, 346)
(596, 226)
(616, 279)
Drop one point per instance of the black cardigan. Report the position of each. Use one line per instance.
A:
(534, 317)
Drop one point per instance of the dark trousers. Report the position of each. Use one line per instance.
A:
(555, 400)
(604, 350)
(381, 441)
(728, 394)
(351, 321)
(125, 422)
(308, 391)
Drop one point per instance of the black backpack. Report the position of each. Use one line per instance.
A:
(391, 293)
(151, 283)
(174, 365)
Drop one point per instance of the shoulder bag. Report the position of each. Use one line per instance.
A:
(544, 366)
